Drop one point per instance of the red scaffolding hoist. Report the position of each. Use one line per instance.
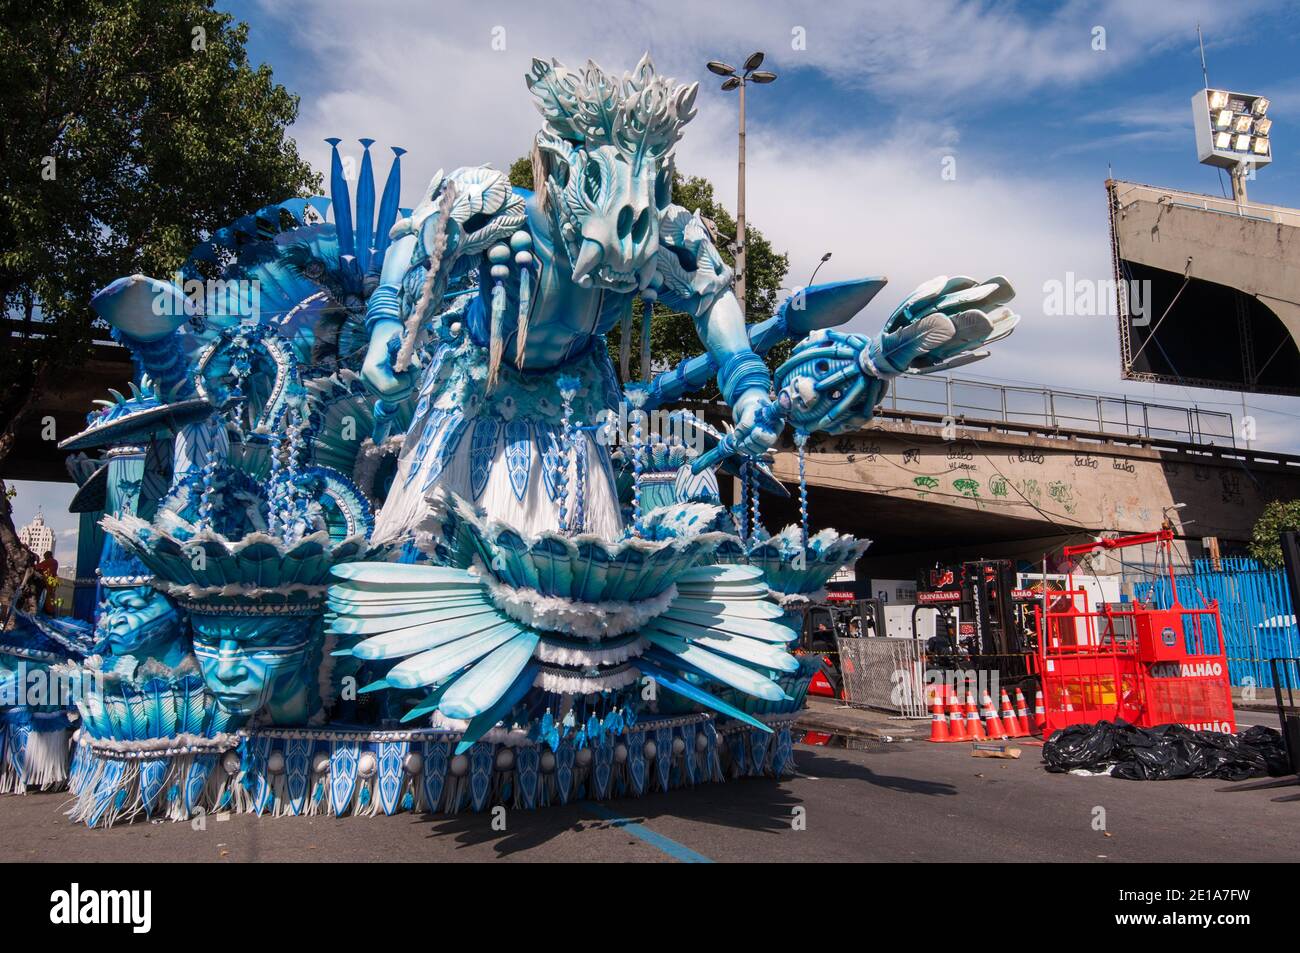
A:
(1133, 661)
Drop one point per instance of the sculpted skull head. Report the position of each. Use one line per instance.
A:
(606, 158)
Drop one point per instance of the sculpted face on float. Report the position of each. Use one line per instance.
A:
(253, 663)
(140, 621)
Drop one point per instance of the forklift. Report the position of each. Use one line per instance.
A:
(827, 620)
(996, 629)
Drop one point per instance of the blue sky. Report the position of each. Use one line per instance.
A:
(846, 148)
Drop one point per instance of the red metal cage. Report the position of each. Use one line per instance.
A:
(1145, 665)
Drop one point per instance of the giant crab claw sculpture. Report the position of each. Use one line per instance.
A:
(833, 380)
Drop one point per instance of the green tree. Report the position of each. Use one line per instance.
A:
(672, 333)
(1278, 517)
(131, 127)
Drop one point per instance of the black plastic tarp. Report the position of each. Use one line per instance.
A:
(1166, 752)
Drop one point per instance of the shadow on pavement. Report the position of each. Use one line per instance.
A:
(755, 804)
(751, 804)
(822, 766)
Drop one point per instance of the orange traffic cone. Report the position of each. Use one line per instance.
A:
(1022, 714)
(1009, 717)
(974, 727)
(938, 721)
(992, 724)
(956, 718)
(1040, 713)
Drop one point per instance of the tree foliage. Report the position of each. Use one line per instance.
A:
(131, 127)
(1278, 517)
(672, 333)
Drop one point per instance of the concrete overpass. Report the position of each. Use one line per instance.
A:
(929, 486)
(1224, 289)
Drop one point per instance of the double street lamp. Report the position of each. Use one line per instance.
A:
(749, 73)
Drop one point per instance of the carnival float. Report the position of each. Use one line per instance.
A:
(374, 540)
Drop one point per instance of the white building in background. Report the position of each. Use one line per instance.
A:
(37, 537)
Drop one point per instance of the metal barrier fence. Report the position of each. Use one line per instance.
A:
(884, 673)
(1259, 622)
(896, 674)
(1065, 410)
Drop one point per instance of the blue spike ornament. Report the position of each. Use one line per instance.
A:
(388, 207)
(365, 207)
(385, 457)
(341, 201)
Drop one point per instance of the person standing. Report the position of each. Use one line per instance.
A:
(48, 570)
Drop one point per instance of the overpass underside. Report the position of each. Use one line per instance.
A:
(1222, 290)
(991, 492)
(912, 533)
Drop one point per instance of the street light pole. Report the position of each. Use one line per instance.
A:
(739, 80)
(740, 209)
(825, 258)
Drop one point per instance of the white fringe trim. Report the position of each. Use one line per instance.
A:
(585, 620)
(793, 599)
(221, 791)
(150, 748)
(233, 589)
(554, 654)
(565, 683)
(45, 763)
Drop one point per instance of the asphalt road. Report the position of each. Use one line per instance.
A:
(884, 802)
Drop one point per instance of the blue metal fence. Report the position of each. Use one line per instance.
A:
(1255, 608)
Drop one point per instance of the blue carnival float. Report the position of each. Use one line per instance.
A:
(376, 536)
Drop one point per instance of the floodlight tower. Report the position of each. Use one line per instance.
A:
(1233, 133)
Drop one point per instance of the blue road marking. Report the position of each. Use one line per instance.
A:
(669, 846)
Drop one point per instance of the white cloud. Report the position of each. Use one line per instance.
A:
(433, 83)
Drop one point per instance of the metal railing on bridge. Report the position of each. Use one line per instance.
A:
(1046, 408)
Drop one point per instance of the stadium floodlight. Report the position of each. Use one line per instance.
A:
(1232, 133)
